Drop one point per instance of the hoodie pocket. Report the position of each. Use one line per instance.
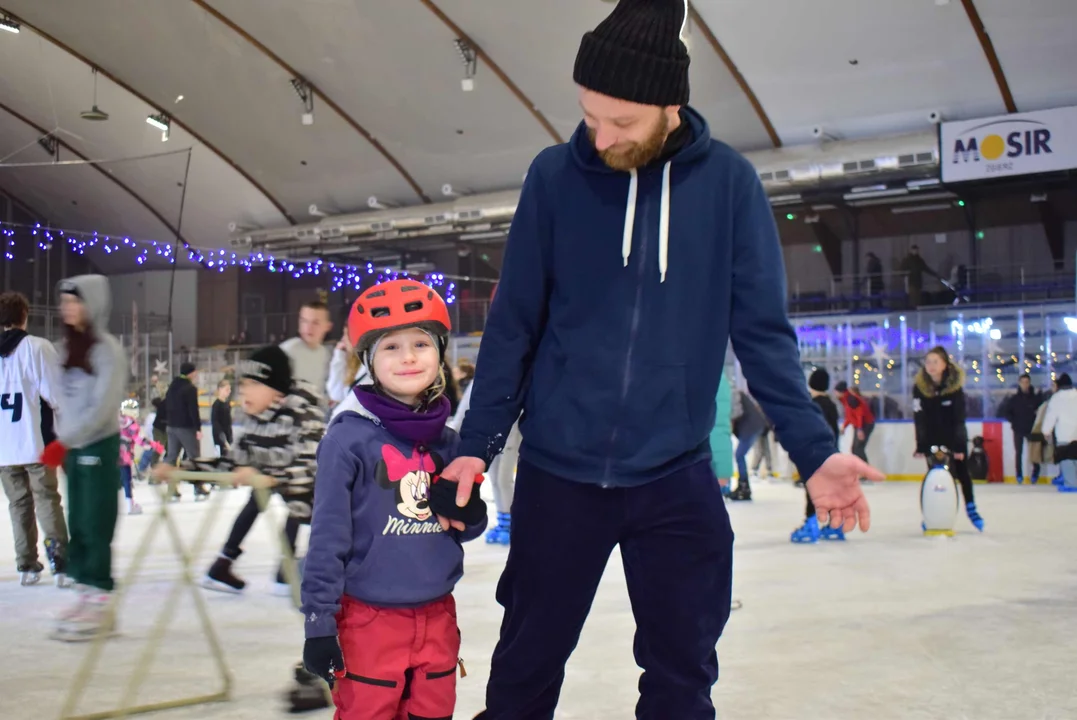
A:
(586, 414)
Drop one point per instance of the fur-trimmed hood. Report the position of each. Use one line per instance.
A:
(952, 381)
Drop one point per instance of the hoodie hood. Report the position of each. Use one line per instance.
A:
(696, 148)
(9, 341)
(95, 294)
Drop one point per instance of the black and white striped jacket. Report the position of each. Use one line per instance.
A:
(282, 443)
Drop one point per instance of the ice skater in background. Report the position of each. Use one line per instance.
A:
(938, 406)
(748, 422)
(385, 542)
(88, 446)
(280, 440)
(810, 531)
(130, 436)
(1060, 420)
(29, 388)
(722, 434)
(220, 418)
(502, 474)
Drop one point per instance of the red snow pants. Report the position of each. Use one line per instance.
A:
(400, 662)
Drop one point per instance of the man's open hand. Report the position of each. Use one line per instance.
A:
(835, 490)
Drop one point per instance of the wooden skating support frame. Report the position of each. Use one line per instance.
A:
(185, 581)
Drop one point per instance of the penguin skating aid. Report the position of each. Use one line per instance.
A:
(938, 497)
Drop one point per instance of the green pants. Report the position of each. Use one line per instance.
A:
(93, 481)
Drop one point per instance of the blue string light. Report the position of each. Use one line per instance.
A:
(342, 276)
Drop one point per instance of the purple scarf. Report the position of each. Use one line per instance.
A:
(402, 421)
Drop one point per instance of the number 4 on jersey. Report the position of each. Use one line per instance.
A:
(12, 402)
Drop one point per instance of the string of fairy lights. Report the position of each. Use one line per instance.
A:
(342, 275)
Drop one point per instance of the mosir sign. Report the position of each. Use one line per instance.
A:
(1018, 144)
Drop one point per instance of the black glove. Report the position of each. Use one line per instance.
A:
(322, 656)
(442, 497)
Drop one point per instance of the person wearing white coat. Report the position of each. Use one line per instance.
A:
(1061, 419)
(29, 388)
(502, 474)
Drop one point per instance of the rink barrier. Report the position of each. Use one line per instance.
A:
(890, 449)
(262, 486)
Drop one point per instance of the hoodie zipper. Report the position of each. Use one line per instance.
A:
(626, 381)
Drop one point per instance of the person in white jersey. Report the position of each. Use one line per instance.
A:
(29, 386)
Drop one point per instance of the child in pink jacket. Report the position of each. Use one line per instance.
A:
(131, 435)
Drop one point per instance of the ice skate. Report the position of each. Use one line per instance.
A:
(281, 588)
(134, 508)
(974, 517)
(221, 578)
(742, 493)
(57, 563)
(92, 615)
(30, 574)
(308, 692)
(828, 533)
(501, 533)
(806, 533)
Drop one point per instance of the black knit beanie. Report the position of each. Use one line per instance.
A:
(636, 54)
(269, 366)
(819, 380)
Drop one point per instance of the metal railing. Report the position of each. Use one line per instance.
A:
(961, 285)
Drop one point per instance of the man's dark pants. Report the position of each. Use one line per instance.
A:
(677, 551)
(1019, 450)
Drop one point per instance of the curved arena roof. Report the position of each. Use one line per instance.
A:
(392, 121)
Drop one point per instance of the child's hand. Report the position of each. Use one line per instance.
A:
(443, 501)
(322, 656)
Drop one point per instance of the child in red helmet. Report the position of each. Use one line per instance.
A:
(385, 544)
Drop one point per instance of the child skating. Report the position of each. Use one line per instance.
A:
(130, 436)
(280, 440)
(88, 446)
(385, 547)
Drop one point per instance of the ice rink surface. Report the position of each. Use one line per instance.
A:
(886, 625)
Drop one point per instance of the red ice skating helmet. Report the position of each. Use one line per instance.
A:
(396, 305)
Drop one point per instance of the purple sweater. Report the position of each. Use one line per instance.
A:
(372, 535)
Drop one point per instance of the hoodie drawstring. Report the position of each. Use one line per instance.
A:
(630, 216)
(663, 226)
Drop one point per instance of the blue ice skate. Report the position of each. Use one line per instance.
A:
(500, 533)
(974, 517)
(828, 533)
(1020, 480)
(806, 533)
(1060, 481)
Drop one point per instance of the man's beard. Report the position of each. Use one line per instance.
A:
(638, 154)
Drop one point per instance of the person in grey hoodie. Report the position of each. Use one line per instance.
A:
(88, 446)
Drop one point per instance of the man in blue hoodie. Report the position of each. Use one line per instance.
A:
(615, 359)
